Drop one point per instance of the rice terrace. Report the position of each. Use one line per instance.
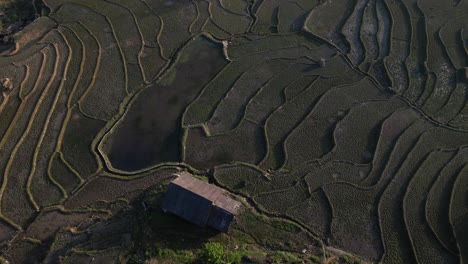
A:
(340, 126)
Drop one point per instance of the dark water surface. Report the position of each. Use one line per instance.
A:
(151, 131)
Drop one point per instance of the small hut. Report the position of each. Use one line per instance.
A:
(199, 202)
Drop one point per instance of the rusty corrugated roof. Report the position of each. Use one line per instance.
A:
(207, 191)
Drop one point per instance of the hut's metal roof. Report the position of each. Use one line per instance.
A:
(207, 191)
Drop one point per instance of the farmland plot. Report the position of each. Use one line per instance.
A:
(347, 118)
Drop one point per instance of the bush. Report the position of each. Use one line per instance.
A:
(214, 253)
(234, 257)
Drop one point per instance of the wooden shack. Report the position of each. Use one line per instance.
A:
(199, 202)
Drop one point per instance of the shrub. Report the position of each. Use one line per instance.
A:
(214, 253)
(234, 257)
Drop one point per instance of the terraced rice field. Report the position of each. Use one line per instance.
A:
(349, 118)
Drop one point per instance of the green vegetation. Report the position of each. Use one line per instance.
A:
(252, 237)
(169, 255)
(214, 253)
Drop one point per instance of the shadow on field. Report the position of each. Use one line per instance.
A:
(133, 234)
